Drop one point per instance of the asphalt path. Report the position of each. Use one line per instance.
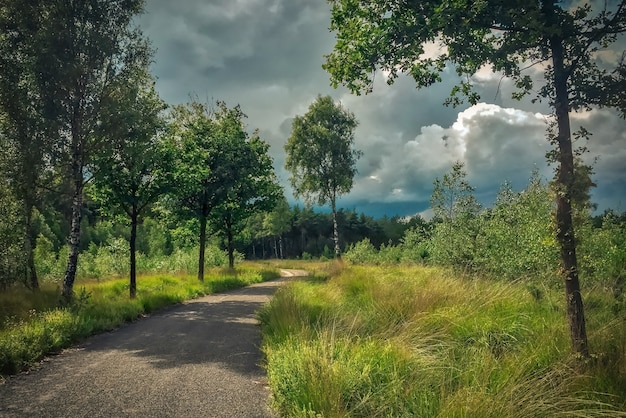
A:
(197, 359)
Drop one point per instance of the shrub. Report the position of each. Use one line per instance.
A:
(603, 253)
(362, 252)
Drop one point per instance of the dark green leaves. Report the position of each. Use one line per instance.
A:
(422, 38)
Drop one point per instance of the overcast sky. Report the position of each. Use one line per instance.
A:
(266, 55)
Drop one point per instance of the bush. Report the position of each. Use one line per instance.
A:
(415, 246)
(453, 243)
(602, 253)
(362, 252)
(517, 237)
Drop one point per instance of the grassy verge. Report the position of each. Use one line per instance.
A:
(32, 325)
(381, 342)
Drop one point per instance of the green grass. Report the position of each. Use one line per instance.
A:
(419, 342)
(32, 325)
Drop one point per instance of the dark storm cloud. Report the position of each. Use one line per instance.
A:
(238, 45)
(266, 55)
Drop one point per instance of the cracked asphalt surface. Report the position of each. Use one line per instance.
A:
(197, 359)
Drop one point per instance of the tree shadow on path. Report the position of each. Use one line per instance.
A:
(220, 328)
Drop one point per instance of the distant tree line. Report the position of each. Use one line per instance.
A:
(301, 232)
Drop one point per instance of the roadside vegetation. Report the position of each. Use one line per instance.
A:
(368, 341)
(33, 325)
(464, 317)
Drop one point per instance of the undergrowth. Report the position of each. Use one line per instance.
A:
(420, 342)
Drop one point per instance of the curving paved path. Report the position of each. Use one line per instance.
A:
(197, 359)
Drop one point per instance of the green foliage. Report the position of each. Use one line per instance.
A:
(320, 155)
(255, 189)
(111, 260)
(603, 253)
(395, 37)
(517, 237)
(362, 252)
(222, 173)
(134, 169)
(514, 239)
(310, 231)
(420, 342)
(453, 196)
(319, 152)
(276, 223)
(26, 136)
(12, 266)
(154, 238)
(45, 258)
(202, 137)
(416, 244)
(453, 241)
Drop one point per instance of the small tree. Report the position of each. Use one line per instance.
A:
(134, 170)
(201, 173)
(320, 156)
(254, 189)
(453, 196)
(276, 223)
(456, 210)
(217, 165)
(508, 36)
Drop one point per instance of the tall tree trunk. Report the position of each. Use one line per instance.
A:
(275, 247)
(263, 247)
(230, 245)
(202, 246)
(280, 246)
(77, 164)
(29, 244)
(335, 229)
(74, 241)
(133, 252)
(564, 184)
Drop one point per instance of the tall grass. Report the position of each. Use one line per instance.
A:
(381, 342)
(32, 324)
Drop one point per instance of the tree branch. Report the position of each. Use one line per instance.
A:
(595, 35)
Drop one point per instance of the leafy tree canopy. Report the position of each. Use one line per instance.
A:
(422, 38)
(319, 152)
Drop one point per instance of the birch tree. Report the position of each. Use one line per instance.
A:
(321, 157)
